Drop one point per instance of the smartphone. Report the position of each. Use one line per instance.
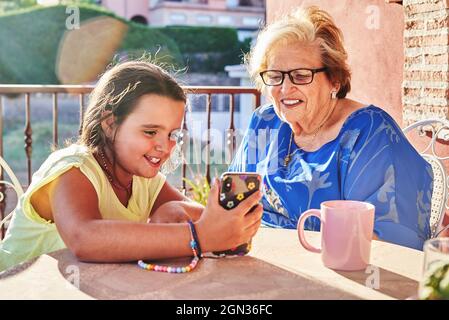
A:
(235, 188)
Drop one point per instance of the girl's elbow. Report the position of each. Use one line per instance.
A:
(80, 252)
(78, 243)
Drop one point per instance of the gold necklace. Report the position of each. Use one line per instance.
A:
(289, 155)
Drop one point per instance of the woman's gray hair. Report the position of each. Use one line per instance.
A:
(305, 26)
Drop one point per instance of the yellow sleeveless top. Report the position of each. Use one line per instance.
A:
(29, 235)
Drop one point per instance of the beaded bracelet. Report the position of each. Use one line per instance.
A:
(194, 245)
(195, 238)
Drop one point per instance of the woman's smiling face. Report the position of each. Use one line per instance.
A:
(305, 105)
(142, 142)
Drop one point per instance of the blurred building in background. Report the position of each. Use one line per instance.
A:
(244, 15)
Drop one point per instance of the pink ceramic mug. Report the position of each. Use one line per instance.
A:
(346, 233)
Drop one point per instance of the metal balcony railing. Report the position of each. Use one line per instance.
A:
(82, 91)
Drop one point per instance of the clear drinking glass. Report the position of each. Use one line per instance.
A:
(435, 277)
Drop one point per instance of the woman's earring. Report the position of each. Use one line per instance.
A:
(333, 94)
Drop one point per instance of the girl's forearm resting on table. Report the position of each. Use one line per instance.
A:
(118, 241)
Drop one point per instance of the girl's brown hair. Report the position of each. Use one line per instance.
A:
(118, 90)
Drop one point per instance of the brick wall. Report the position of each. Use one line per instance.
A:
(425, 86)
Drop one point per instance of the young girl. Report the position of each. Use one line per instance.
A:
(95, 197)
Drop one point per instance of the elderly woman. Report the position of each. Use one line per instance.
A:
(313, 144)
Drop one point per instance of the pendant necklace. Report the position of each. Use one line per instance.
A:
(289, 155)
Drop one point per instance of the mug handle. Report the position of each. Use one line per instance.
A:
(300, 227)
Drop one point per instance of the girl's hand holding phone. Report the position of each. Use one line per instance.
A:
(220, 229)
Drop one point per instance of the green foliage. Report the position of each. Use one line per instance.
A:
(141, 40)
(200, 189)
(32, 36)
(11, 5)
(14, 144)
(436, 285)
(77, 2)
(202, 39)
(29, 55)
(31, 39)
(208, 49)
(245, 45)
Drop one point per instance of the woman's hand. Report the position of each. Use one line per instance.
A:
(220, 229)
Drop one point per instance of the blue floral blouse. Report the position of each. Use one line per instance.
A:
(370, 160)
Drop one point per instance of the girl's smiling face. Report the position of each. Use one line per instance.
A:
(143, 142)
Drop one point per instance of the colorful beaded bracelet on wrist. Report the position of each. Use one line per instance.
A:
(196, 257)
(195, 238)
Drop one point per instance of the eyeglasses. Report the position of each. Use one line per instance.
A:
(297, 76)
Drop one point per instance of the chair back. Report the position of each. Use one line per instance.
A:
(14, 184)
(434, 128)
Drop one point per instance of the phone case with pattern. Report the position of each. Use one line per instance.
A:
(235, 188)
